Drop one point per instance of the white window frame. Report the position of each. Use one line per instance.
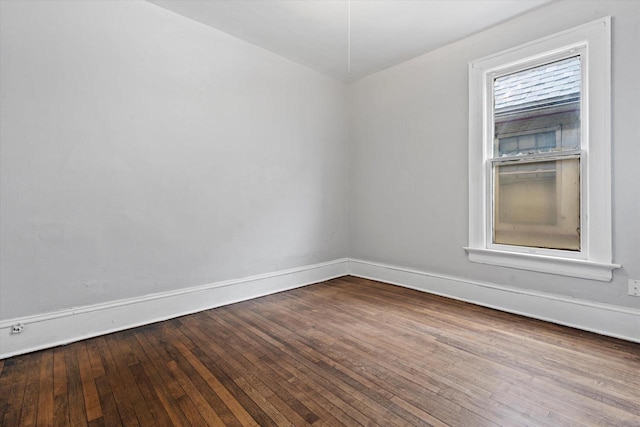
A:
(594, 260)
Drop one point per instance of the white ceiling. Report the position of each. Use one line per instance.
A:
(383, 32)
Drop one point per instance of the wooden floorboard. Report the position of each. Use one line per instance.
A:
(346, 352)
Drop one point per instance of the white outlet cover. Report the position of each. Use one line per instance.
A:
(634, 287)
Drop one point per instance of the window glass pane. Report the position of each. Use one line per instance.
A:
(539, 142)
(538, 204)
(538, 109)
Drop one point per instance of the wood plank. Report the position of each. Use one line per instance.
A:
(253, 387)
(45, 395)
(275, 369)
(164, 386)
(235, 389)
(151, 395)
(59, 373)
(346, 352)
(202, 405)
(77, 412)
(111, 415)
(95, 360)
(28, 414)
(486, 352)
(98, 422)
(127, 388)
(298, 376)
(364, 401)
(193, 382)
(453, 411)
(19, 380)
(434, 382)
(9, 373)
(12, 418)
(226, 397)
(191, 412)
(116, 386)
(89, 390)
(61, 410)
(342, 395)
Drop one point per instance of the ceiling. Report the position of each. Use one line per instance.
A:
(383, 32)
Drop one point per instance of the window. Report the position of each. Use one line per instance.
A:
(536, 156)
(539, 155)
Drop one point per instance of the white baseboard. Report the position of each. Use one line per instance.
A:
(66, 326)
(604, 319)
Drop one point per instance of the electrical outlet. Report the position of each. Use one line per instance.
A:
(634, 287)
(18, 328)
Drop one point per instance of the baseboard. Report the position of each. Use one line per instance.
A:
(66, 326)
(604, 319)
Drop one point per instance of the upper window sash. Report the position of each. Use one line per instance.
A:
(490, 75)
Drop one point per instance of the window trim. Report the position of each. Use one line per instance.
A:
(594, 261)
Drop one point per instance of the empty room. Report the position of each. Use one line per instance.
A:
(320, 212)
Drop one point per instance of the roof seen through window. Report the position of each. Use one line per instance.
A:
(547, 85)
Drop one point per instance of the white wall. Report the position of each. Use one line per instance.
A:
(409, 157)
(142, 152)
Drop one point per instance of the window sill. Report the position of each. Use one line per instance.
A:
(545, 264)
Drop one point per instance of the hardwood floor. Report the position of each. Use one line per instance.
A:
(344, 352)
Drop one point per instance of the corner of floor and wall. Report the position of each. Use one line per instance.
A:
(176, 168)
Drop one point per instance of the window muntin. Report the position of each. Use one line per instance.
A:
(535, 199)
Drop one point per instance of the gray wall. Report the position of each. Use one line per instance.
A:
(409, 156)
(142, 152)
